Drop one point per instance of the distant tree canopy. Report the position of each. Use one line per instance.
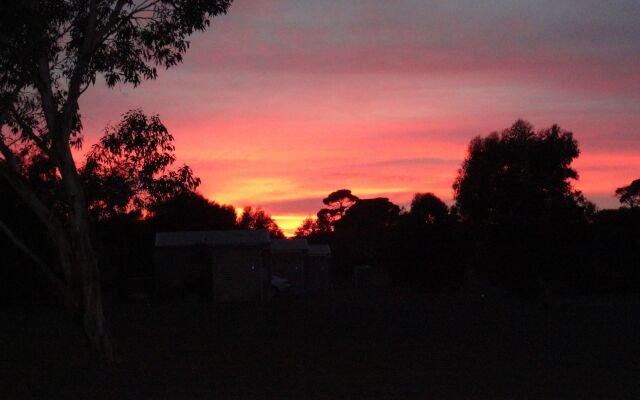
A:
(371, 214)
(308, 228)
(127, 170)
(630, 194)
(256, 218)
(429, 209)
(189, 211)
(361, 232)
(520, 175)
(337, 203)
(515, 191)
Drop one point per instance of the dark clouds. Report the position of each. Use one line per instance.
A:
(582, 44)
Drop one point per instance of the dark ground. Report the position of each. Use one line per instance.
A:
(377, 343)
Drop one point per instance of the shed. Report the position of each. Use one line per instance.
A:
(288, 258)
(228, 265)
(317, 268)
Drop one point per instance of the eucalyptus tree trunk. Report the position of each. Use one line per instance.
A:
(84, 279)
(79, 284)
(55, 50)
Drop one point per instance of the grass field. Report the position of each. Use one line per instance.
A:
(369, 344)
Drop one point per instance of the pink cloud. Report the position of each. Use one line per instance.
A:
(289, 100)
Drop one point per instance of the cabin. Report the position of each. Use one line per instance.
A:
(288, 259)
(227, 266)
(317, 271)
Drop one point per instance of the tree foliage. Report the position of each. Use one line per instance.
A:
(361, 232)
(257, 218)
(189, 211)
(337, 203)
(127, 170)
(630, 194)
(122, 40)
(515, 189)
(51, 52)
(428, 208)
(308, 228)
(520, 175)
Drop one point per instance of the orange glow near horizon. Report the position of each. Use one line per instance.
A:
(289, 223)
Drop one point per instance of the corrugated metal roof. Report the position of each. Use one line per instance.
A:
(285, 245)
(319, 250)
(213, 238)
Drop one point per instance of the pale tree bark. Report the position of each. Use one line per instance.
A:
(55, 72)
(80, 286)
(85, 269)
(70, 236)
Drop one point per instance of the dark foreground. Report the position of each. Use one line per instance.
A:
(382, 343)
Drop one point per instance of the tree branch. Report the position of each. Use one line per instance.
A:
(111, 24)
(43, 85)
(55, 228)
(70, 106)
(9, 157)
(28, 131)
(105, 31)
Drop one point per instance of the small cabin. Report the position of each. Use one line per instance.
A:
(227, 266)
(288, 259)
(317, 271)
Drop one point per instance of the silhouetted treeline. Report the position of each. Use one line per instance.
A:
(131, 193)
(517, 222)
(425, 246)
(124, 243)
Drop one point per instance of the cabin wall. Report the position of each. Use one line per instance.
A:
(238, 274)
(317, 273)
(183, 270)
(290, 266)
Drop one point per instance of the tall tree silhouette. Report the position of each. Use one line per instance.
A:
(519, 175)
(515, 189)
(52, 51)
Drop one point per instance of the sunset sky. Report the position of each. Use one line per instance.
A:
(281, 102)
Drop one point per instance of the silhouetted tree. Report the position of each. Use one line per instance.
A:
(309, 227)
(126, 171)
(256, 218)
(520, 176)
(425, 249)
(428, 208)
(630, 194)
(51, 52)
(515, 188)
(189, 211)
(371, 215)
(609, 255)
(337, 203)
(362, 230)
